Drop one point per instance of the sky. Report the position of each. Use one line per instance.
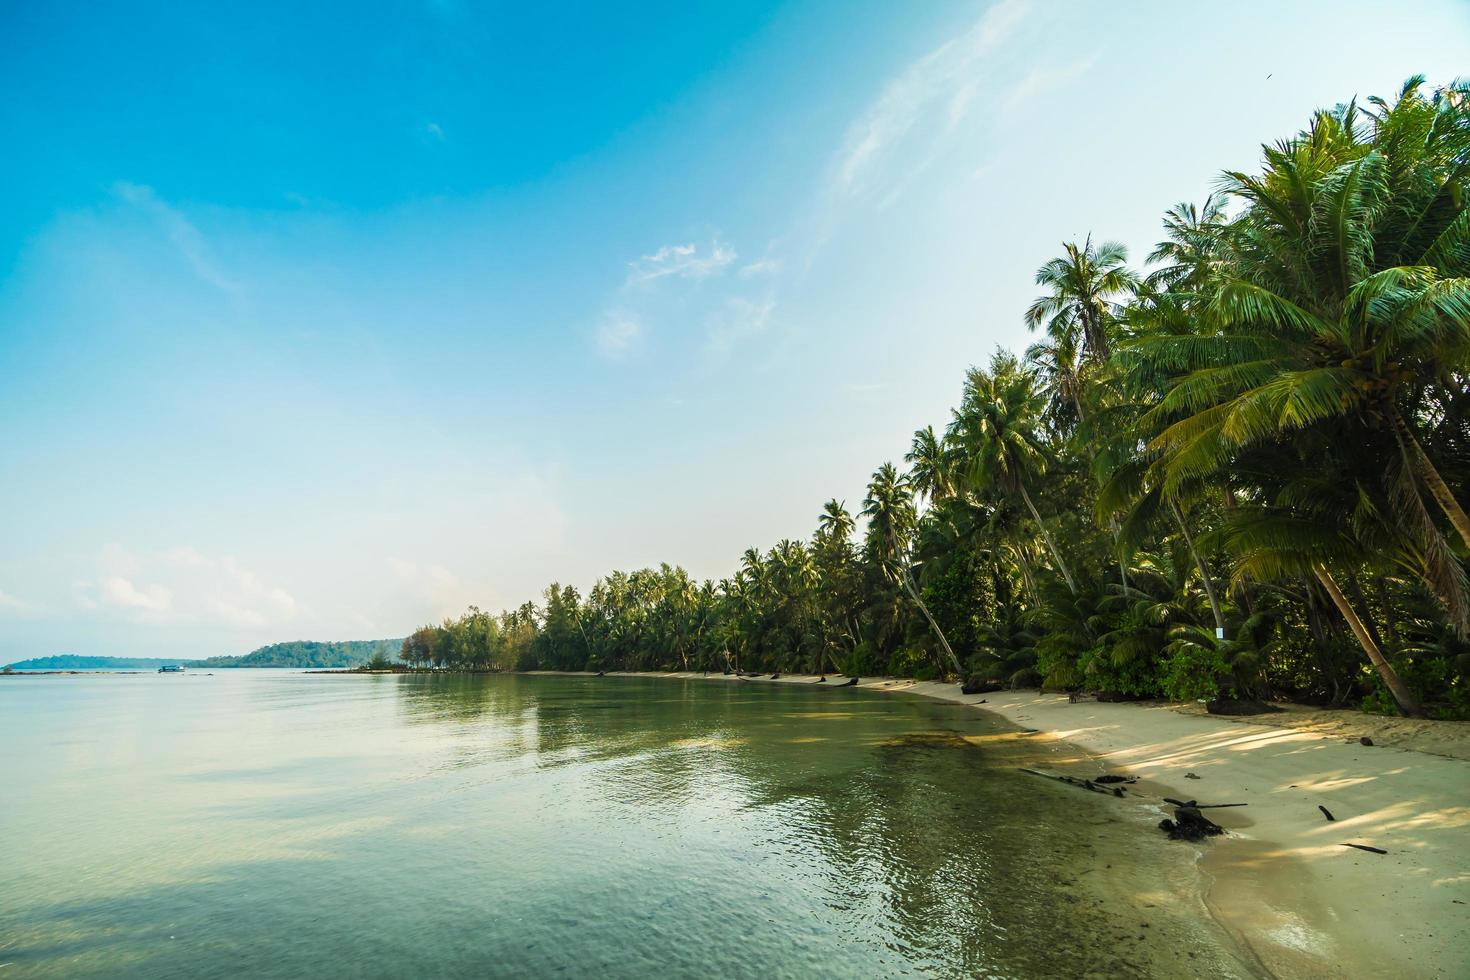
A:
(327, 321)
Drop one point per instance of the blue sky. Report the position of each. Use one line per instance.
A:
(325, 323)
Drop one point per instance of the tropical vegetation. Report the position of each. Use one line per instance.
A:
(1234, 472)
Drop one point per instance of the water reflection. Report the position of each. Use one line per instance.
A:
(533, 826)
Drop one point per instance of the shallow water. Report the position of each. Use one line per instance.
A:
(281, 824)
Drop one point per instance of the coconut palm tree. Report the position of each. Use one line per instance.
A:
(889, 509)
(997, 434)
(1084, 285)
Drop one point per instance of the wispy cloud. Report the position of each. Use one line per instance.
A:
(680, 280)
(618, 333)
(942, 84)
(737, 320)
(183, 585)
(682, 261)
(185, 236)
(1043, 79)
(760, 267)
(435, 130)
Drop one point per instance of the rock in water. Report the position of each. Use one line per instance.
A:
(1190, 824)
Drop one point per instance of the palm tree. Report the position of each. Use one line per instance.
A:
(1308, 324)
(1083, 285)
(929, 469)
(889, 509)
(997, 434)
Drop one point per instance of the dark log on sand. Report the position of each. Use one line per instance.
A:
(851, 683)
(976, 686)
(776, 676)
(821, 680)
(1365, 847)
(1116, 779)
(1326, 812)
(1190, 824)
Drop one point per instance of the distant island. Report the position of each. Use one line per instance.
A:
(296, 653)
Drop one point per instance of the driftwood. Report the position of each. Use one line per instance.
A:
(1116, 779)
(602, 673)
(976, 686)
(1190, 824)
(1365, 847)
(776, 676)
(851, 683)
(1087, 784)
(1200, 806)
(820, 680)
(1326, 812)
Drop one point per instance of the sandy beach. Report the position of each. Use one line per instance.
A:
(1280, 881)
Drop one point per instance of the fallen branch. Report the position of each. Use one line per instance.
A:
(1326, 812)
(1365, 847)
(1073, 781)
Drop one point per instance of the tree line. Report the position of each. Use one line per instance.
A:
(1232, 473)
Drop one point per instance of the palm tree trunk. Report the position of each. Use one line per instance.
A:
(1408, 704)
(1028, 578)
(914, 594)
(1046, 536)
(1204, 573)
(1437, 486)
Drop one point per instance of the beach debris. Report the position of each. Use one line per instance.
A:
(1116, 779)
(822, 679)
(1087, 784)
(1190, 824)
(976, 686)
(602, 673)
(776, 676)
(1366, 847)
(1326, 812)
(1190, 775)
(850, 683)
(1365, 740)
(1195, 804)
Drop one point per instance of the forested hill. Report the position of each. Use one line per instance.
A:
(70, 661)
(296, 653)
(310, 653)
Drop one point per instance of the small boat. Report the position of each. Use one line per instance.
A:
(171, 669)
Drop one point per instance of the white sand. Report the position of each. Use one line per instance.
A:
(1280, 882)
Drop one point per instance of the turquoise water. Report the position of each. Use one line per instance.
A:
(280, 824)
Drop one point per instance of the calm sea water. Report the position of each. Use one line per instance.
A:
(280, 824)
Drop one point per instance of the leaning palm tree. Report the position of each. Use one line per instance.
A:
(1308, 324)
(889, 508)
(1084, 285)
(997, 433)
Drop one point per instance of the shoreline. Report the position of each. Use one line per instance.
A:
(1279, 882)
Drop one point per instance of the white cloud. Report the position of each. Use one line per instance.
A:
(118, 591)
(618, 333)
(682, 261)
(183, 585)
(943, 81)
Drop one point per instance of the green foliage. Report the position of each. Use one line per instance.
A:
(1265, 437)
